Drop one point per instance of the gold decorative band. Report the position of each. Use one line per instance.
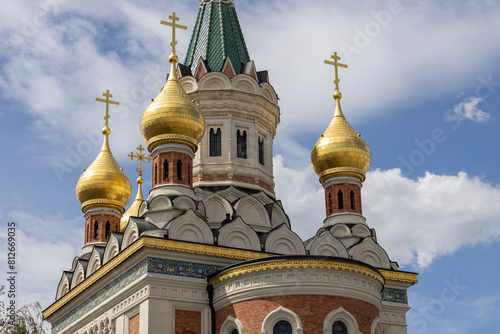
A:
(399, 276)
(148, 242)
(103, 202)
(173, 138)
(342, 170)
(298, 264)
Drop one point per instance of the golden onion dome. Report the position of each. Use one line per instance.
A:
(133, 211)
(340, 151)
(104, 183)
(172, 117)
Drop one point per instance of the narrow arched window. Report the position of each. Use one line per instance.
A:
(282, 327)
(165, 169)
(341, 200)
(96, 229)
(241, 144)
(339, 328)
(190, 175)
(261, 151)
(156, 173)
(179, 170)
(235, 331)
(352, 200)
(329, 204)
(215, 143)
(107, 229)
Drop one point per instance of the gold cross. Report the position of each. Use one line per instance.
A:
(337, 65)
(141, 157)
(173, 25)
(108, 102)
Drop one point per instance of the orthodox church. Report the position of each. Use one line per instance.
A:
(211, 249)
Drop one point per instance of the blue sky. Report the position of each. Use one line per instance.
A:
(422, 87)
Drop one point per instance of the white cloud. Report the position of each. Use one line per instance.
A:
(416, 221)
(45, 246)
(468, 109)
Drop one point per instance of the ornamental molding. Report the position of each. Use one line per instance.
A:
(102, 202)
(172, 138)
(155, 243)
(304, 264)
(399, 276)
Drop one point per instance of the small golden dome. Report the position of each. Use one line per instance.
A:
(104, 183)
(133, 211)
(340, 151)
(172, 117)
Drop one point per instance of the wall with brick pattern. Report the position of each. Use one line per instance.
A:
(187, 322)
(312, 310)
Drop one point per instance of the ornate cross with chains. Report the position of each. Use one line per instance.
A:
(141, 157)
(337, 65)
(174, 26)
(108, 102)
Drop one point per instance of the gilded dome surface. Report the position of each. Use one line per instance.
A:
(133, 211)
(104, 184)
(172, 117)
(340, 151)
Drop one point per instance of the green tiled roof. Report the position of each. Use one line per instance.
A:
(217, 34)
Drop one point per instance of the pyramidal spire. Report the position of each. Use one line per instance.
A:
(217, 35)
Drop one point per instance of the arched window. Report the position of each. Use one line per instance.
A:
(235, 331)
(190, 175)
(329, 204)
(341, 200)
(339, 328)
(352, 200)
(215, 143)
(282, 327)
(261, 151)
(156, 173)
(107, 229)
(165, 169)
(179, 170)
(241, 144)
(96, 229)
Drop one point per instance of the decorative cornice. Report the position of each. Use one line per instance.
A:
(156, 243)
(399, 276)
(298, 264)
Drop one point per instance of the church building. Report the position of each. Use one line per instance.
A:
(211, 249)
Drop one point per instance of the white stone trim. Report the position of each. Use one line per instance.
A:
(231, 324)
(342, 179)
(376, 328)
(343, 316)
(282, 314)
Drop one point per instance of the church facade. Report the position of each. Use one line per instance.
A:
(211, 249)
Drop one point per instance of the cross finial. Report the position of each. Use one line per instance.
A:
(337, 65)
(174, 26)
(141, 157)
(108, 102)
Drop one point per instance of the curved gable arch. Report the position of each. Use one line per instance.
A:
(184, 203)
(160, 203)
(190, 227)
(237, 234)
(282, 240)
(130, 235)
(189, 84)
(216, 208)
(64, 285)
(269, 93)
(245, 83)
(94, 262)
(214, 81)
(279, 216)
(252, 212)
(112, 249)
(78, 274)
(282, 314)
(326, 244)
(370, 252)
(343, 316)
(231, 324)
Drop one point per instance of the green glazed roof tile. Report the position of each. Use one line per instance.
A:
(217, 35)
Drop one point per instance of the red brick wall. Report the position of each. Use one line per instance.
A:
(133, 325)
(312, 310)
(237, 178)
(332, 198)
(187, 322)
(102, 219)
(172, 158)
